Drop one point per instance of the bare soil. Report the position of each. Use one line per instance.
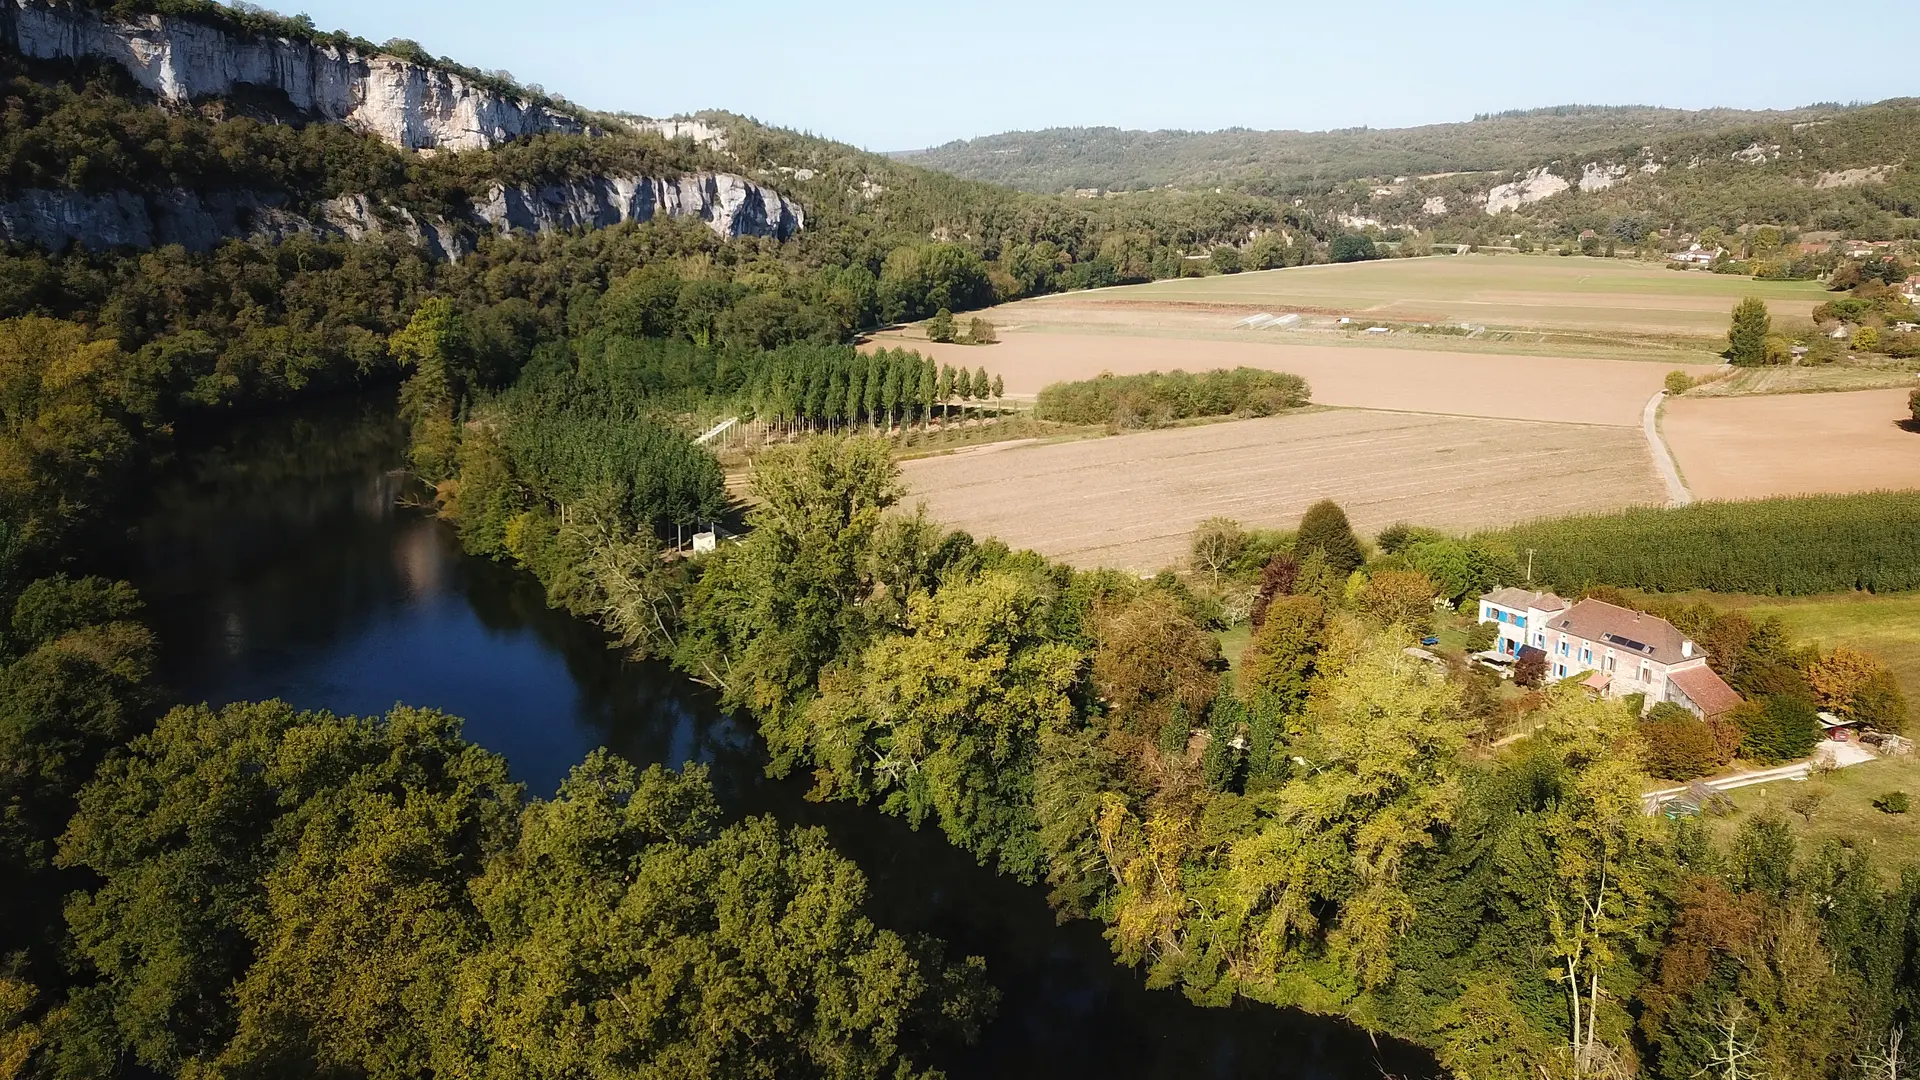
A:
(1794, 444)
(1608, 392)
(1131, 502)
(1500, 290)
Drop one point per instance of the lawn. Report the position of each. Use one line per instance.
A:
(1233, 644)
(1846, 813)
(1887, 627)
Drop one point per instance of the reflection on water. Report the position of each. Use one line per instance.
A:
(285, 561)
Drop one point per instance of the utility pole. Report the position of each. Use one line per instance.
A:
(1529, 566)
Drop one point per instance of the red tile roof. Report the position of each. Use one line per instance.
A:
(1631, 633)
(1706, 689)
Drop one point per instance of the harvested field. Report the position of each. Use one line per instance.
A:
(1797, 444)
(1465, 384)
(1539, 291)
(1132, 501)
(1820, 379)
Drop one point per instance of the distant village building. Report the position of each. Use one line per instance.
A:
(1697, 255)
(1623, 652)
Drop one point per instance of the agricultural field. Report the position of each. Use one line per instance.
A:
(1819, 379)
(1535, 291)
(1600, 321)
(1558, 389)
(1793, 444)
(1132, 502)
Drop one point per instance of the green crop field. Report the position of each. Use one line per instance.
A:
(1533, 291)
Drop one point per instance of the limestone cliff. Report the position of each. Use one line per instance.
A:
(410, 105)
(730, 205)
(180, 60)
(54, 219)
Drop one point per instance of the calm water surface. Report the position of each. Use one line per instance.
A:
(289, 558)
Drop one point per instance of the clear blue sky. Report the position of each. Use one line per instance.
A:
(891, 76)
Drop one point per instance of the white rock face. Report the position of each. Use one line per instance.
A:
(406, 104)
(1435, 206)
(1536, 185)
(1599, 177)
(730, 205)
(123, 219)
(699, 131)
(180, 60)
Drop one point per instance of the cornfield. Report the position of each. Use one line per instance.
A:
(1784, 547)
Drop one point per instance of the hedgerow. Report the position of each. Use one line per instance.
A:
(1786, 547)
(1155, 398)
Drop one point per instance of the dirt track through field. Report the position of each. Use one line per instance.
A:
(1132, 501)
(1463, 384)
(1793, 444)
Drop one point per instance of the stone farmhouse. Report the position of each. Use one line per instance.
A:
(1621, 651)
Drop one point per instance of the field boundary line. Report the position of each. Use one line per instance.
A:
(1677, 493)
(1458, 416)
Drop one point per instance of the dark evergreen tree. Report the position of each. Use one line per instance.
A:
(1324, 529)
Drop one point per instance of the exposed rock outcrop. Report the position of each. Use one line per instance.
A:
(699, 131)
(181, 60)
(731, 206)
(1535, 185)
(1872, 174)
(124, 219)
(1599, 176)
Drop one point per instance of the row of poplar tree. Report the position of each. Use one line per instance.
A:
(832, 387)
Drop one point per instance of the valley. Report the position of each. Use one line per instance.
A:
(492, 586)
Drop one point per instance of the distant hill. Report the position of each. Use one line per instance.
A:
(1275, 162)
(1847, 168)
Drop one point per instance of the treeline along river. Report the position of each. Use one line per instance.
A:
(292, 557)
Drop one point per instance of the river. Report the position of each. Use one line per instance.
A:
(289, 557)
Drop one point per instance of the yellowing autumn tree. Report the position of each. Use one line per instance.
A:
(1318, 886)
(61, 443)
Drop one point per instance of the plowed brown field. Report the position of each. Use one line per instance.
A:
(1793, 444)
(1131, 502)
(1464, 384)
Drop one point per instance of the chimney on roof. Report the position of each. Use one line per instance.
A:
(1686, 649)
